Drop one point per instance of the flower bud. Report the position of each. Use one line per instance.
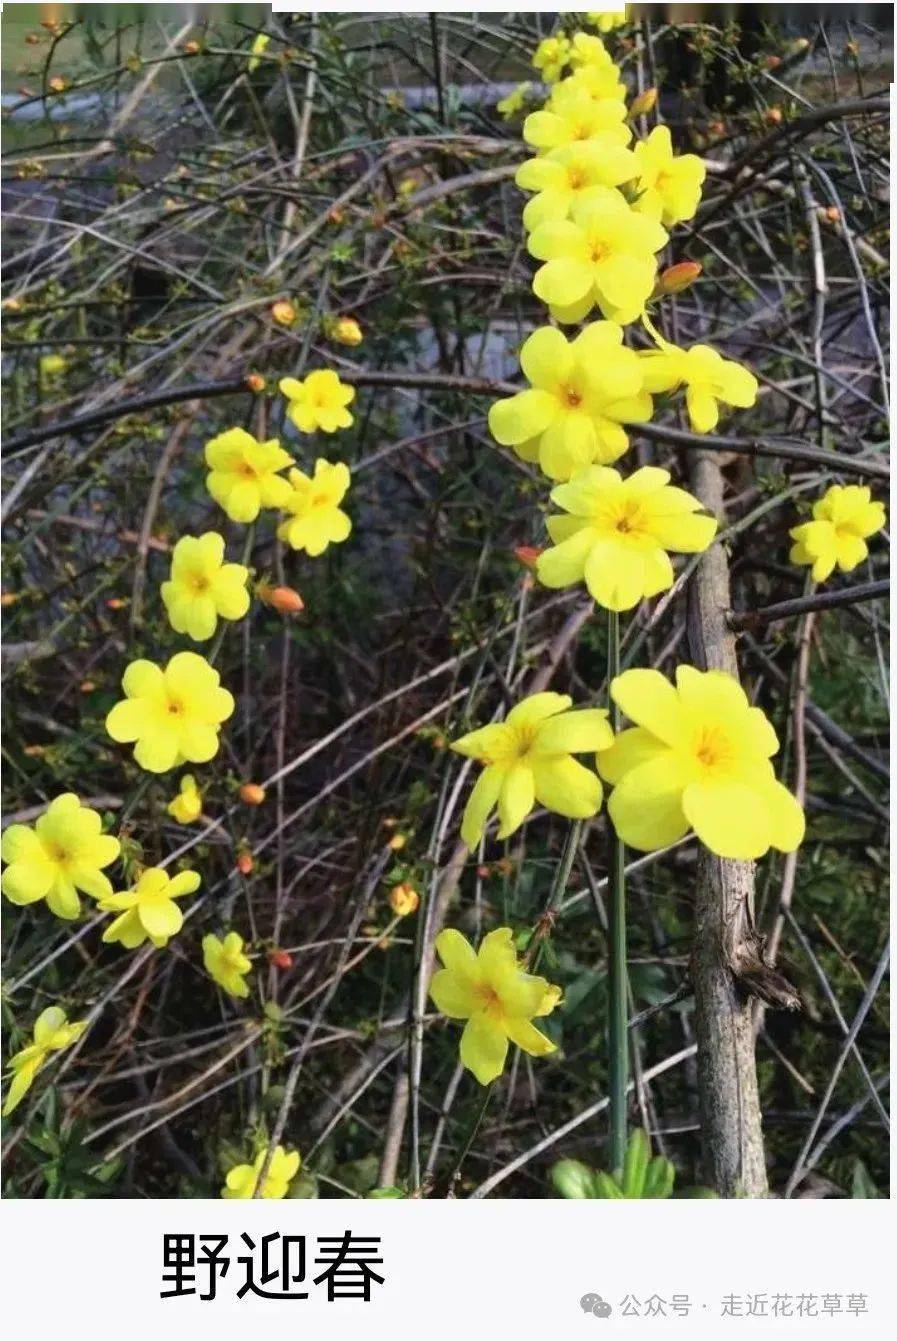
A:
(245, 863)
(251, 794)
(115, 603)
(404, 900)
(773, 115)
(280, 959)
(678, 278)
(643, 104)
(336, 215)
(347, 331)
(285, 600)
(527, 555)
(833, 214)
(191, 48)
(397, 842)
(58, 83)
(255, 382)
(283, 312)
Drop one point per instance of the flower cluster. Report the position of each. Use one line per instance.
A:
(699, 755)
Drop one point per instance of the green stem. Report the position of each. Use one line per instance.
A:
(472, 1130)
(617, 979)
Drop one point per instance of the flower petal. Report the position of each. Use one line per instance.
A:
(484, 1048)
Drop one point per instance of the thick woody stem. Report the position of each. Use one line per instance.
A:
(727, 1077)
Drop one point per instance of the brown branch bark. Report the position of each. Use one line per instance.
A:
(727, 955)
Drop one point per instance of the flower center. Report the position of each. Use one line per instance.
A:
(576, 179)
(246, 470)
(712, 748)
(58, 853)
(599, 251)
(572, 397)
(175, 707)
(199, 582)
(488, 999)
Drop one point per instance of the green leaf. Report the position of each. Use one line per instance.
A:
(572, 1179)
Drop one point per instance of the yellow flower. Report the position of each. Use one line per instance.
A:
(528, 759)
(497, 998)
(404, 900)
(509, 106)
(582, 392)
(244, 477)
(63, 853)
(605, 20)
(604, 255)
(51, 365)
(597, 81)
(226, 963)
(707, 377)
(698, 758)
(843, 520)
(52, 1033)
(618, 532)
(669, 184)
(319, 401)
(566, 175)
(259, 43)
(187, 805)
(588, 50)
(241, 1181)
(550, 57)
(573, 116)
(173, 714)
(316, 519)
(148, 911)
(347, 331)
(202, 586)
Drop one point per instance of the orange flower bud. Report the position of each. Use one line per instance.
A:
(58, 84)
(484, 872)
(336, 215)
(717, 128)
(389, 822)
(397, 842)
(13, 305)
(528, 554)
(280, 959)
(10, 598)
(643, 104)
(87, 686)
(32, 39)
(255, 382)
(773, 115)
(244, 862)
(285, 601)
(283, 312)
(191, 47)
(678, 278)
(772, 62)
(115, 603)
(833, 214)
(252, 794)
(403, 900)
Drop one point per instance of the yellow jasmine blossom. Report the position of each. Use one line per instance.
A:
(573, 115)
(567, 174)
(318, 401)
(226, 963)
(511, 104)
(582, 392)
(603, 256)
(588, 50)
(843, 520)
(63, 853)
(241, 1181)
(259, 43)
(202, 586)
(527, 758)
(148, 911)
(698, 758)
(497, 998)
(187, 805)
(617, 534)
(316, 519)
(51, 365)
(605, 20)
(52, 1033)
(669, 184)
(347, 331)
(244, 476)
(595, 81)
(550, 57)
(707, 377)
(173, 714)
